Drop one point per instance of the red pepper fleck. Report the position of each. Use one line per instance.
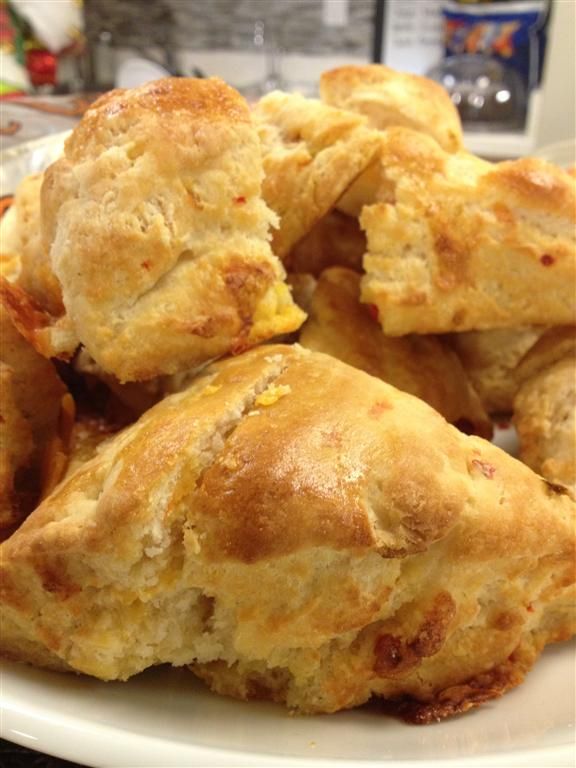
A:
(487, 469)
(373, 311)
(503, 424)
(146, 264)
(240, 200)
(547, 260)
(378, 408)
(530, 608)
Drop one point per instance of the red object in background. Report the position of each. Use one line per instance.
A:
(41, 66)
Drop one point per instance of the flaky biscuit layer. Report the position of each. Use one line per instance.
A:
(283, 526)
(458, 243)
(158, 233)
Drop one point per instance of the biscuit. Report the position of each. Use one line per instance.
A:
(389, 98)
(490, 359)
(158, 233)
(424, 366)
(312, 153)
(36, 275)
(545, 406)
(32, 400)
(460, 243)
(51, 336)
(282, 526)
(9, 244)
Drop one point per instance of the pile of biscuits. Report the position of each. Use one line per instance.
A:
(251, 361)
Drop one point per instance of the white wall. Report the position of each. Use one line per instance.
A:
(557, 117)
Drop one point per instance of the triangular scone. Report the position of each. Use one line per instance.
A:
(299, 530)
(312, 153)
(457, 243)
(425, 366)
(545, 406)
(389, 98)
(158, 232)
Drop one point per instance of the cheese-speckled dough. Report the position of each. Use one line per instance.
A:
(387, 97)
(457, 243)
(424, 366)
(158, 232)
(36, 275)
(545, 406)
(312, 153)
(298, 530)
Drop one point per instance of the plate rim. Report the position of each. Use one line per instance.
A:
(72, 736)
(26, 147)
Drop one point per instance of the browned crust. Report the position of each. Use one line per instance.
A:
(209, 99)
(424, 366)
(390, 98)
(279, 481)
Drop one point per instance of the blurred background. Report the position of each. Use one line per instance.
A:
(509, 65)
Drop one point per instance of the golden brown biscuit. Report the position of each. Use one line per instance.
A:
(388, 98)
(158, 233)
(9, 239)
(490, 358)
(9, 244)
(312, 153)
(334, 241)
(30, 291)
(89, 436)
(461, 243)
(32, 397)
(545, 406)
(51, 336)
(424, 366)
(36, 275)
(366, 190)
(283, 526)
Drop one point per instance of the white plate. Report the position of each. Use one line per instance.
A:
(28, 157)
(165, 718)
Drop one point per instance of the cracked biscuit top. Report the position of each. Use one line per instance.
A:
(456, 243)
(158, 233)
(296, 529)
(312, 154)
(388, 98)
